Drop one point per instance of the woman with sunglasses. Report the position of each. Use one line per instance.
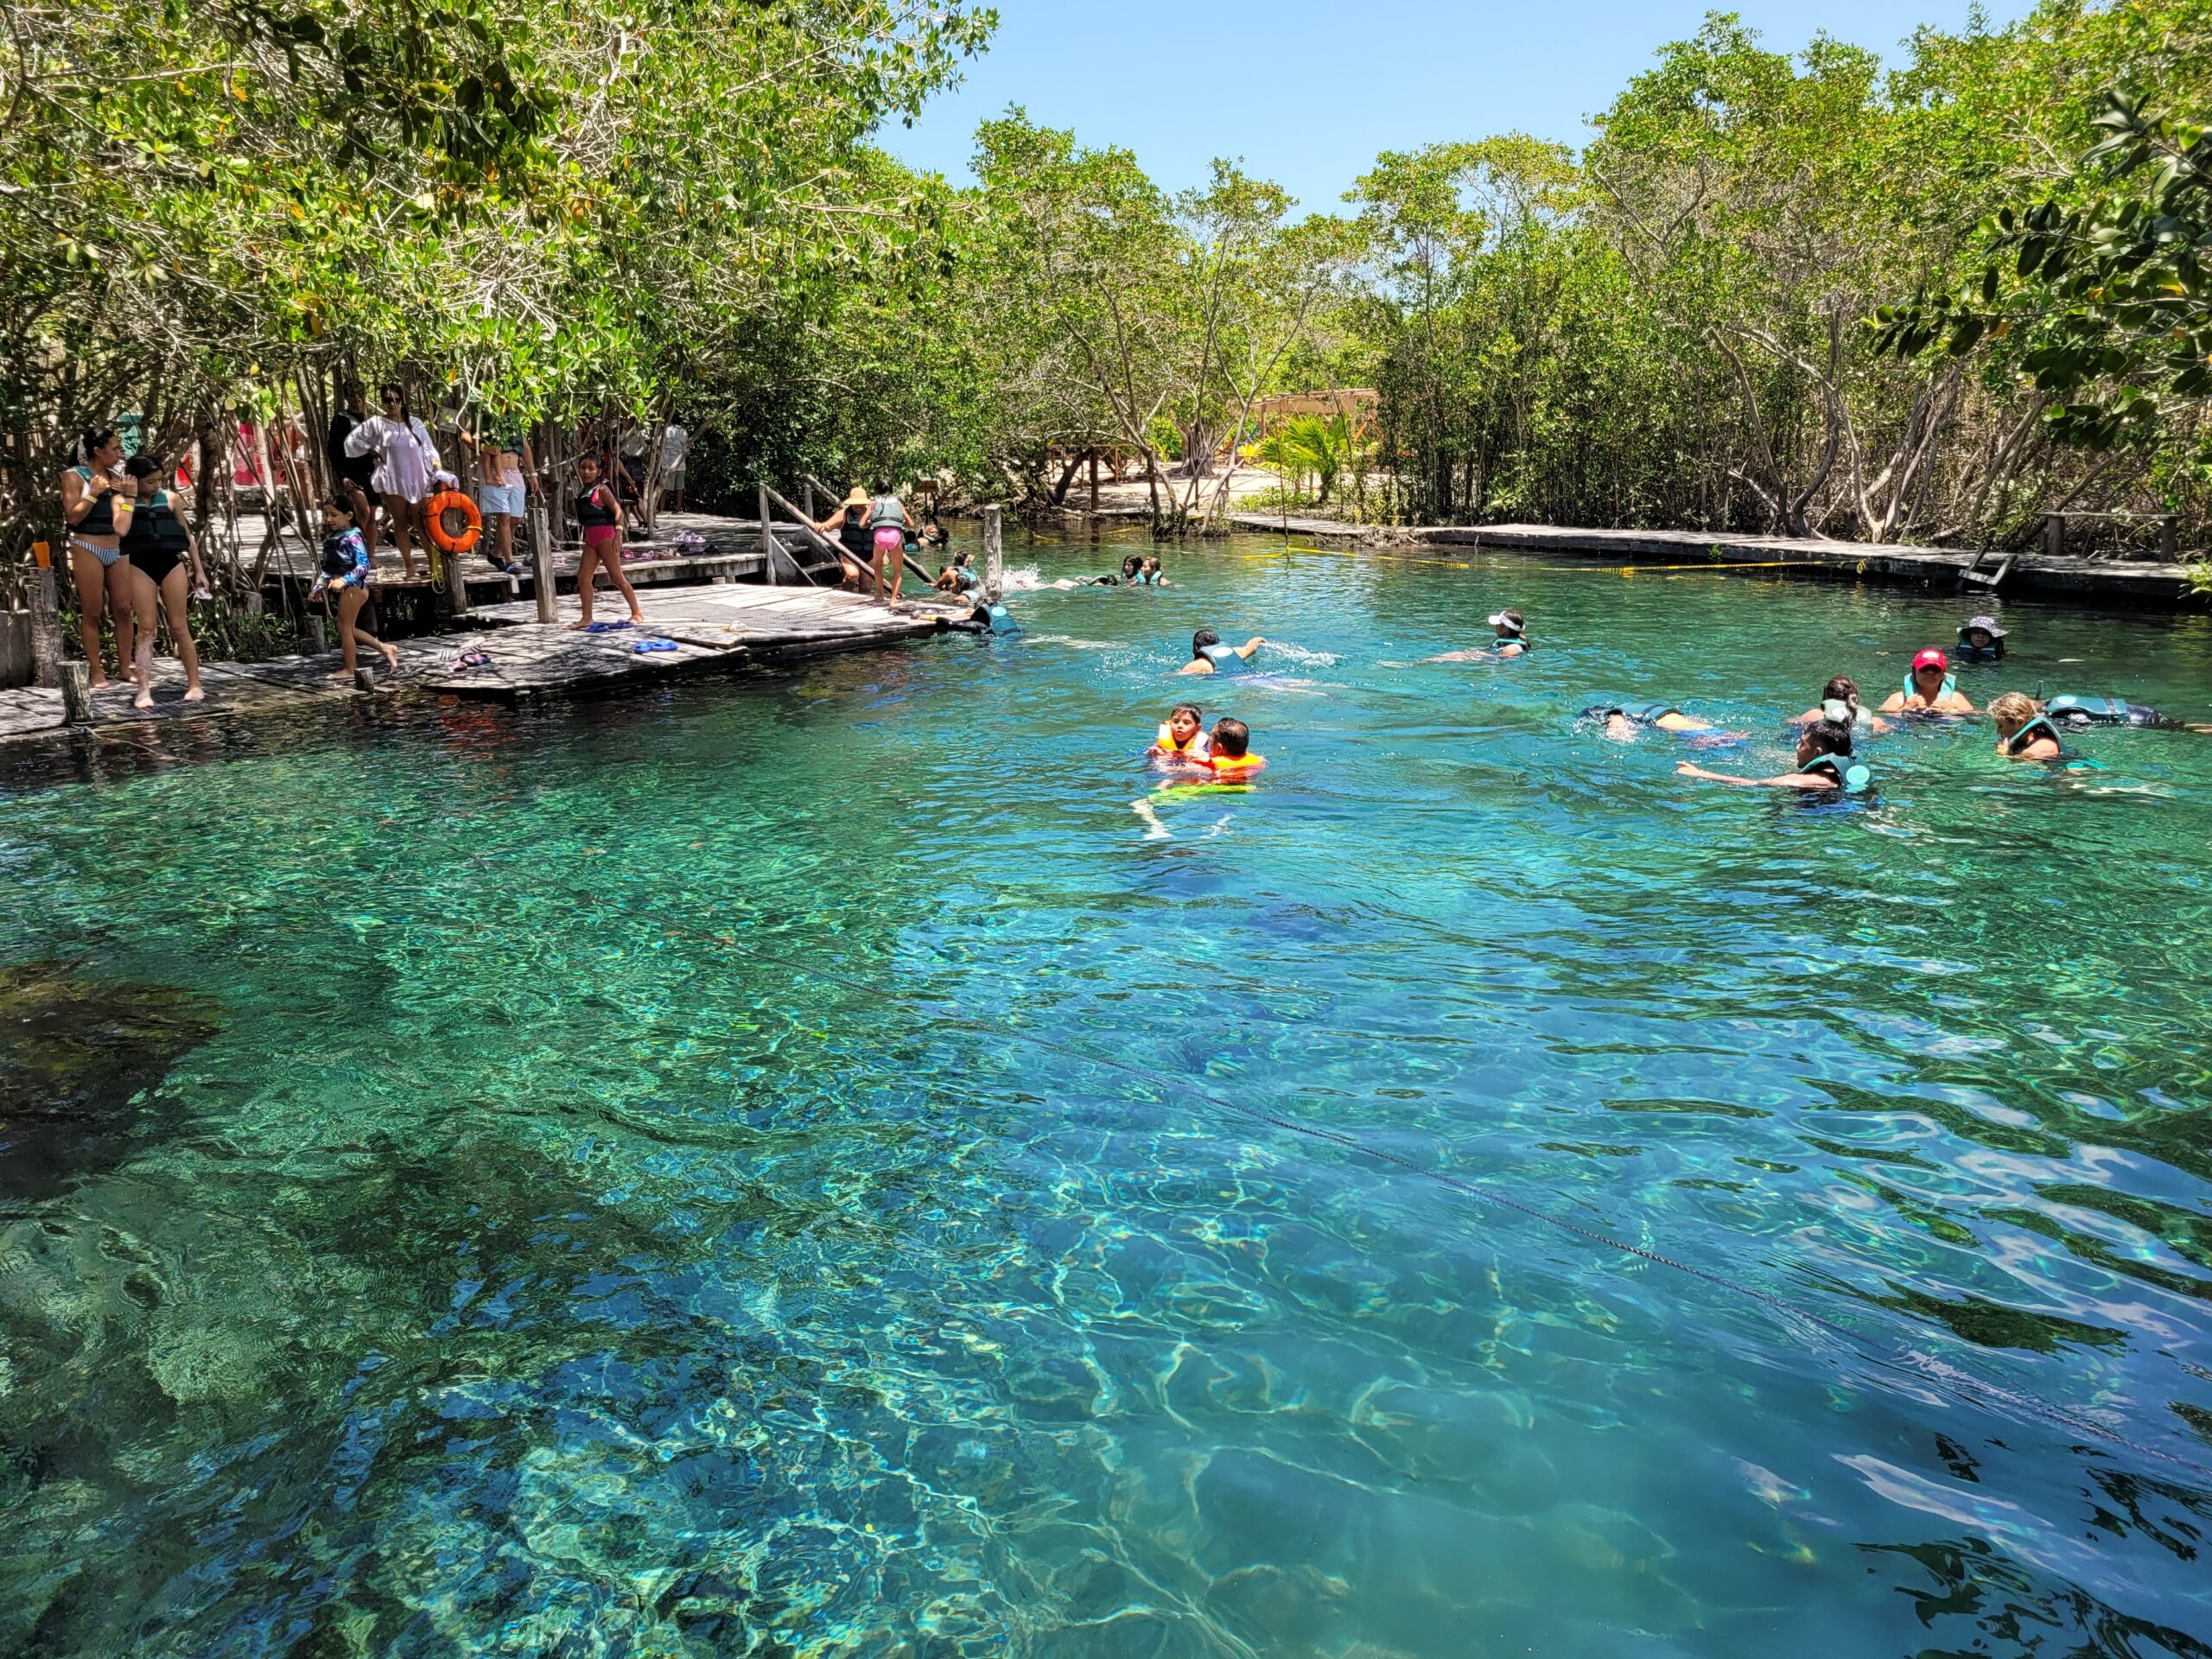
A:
(406, 459)
(1929, 689)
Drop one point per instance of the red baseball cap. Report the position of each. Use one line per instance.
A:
(1930, 658)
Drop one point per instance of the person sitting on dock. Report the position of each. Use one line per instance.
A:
(1209, 656)
(1182, 739)
(1232, 759)
(1512, 639)
(1824, 765)
(1839, 701)
(1980, 640)
(346, 574)
(1623, 722)
(600, 515)
(1930, 689)
(2023, 732)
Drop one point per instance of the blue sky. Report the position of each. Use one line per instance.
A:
(1307, 92)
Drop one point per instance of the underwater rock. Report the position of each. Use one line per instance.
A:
(76, 1055)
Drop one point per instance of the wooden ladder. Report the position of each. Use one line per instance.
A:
(1974, 576)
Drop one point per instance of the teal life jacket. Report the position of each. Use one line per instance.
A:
(1223, 659)
(1850, 776)
(1950, 685)
(2027, 735)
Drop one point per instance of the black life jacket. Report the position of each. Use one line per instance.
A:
(590, 511)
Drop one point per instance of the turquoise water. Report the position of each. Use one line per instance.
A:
(771, 1167)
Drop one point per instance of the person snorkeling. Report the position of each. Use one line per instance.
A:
(2078, 714)
(1930, 689)
(1209, 656)
(1824, 764)
(2022, 733)
(1839, 701)
(1980, 640)
(1182, 739)
(1623, 721)
(1232, 759)
(1511, 639)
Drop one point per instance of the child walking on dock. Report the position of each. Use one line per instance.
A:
(600, 515)
(345, 577)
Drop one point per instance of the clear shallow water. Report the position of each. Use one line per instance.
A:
(470, 1233)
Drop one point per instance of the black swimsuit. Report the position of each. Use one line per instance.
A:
(156, 541)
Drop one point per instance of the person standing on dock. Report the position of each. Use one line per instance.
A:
(98, 513)
(600, 515)
(849, 525)
(353, 475)
(405, 459)
(890, 522)
(166, 565)
(505, 467)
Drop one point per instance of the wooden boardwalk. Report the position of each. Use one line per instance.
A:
(2122, 581)
(688, 631)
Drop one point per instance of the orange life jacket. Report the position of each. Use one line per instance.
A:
(1236, 766)
(1196, 749)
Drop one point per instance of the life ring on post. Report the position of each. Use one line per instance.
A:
(449, 541)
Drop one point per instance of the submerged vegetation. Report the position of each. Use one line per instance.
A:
(1808, 295)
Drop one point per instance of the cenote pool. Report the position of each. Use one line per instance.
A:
(798, 1166)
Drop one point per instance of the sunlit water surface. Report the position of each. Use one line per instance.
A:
(765, 1166)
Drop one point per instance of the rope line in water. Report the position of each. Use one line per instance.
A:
(1910, 1361)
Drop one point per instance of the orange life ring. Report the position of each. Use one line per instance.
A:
(435, 509)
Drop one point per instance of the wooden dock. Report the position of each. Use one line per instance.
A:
(687, 631)
(2161, 586)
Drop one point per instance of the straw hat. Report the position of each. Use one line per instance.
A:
(859, 497)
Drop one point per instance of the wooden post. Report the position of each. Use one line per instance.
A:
(2054, 534)
(365, 678)
(1094, 479)
(994, 556)
(2169, 545)
(76, 694)
(318, 637)
(46, 621)
(806, 494)
(541, 526)
(767, 538)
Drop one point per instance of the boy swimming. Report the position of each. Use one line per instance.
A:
(1824, 763)
(1209, 656)
(1182, 739)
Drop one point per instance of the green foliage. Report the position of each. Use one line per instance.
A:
(2103, 280)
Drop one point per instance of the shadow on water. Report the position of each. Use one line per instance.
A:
(78, 1056)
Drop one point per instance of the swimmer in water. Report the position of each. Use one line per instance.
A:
(1209, 656)
(2022, 734)
(1151, 574)
(1839, 701)
(1621, 723)
(1824, 764)
(1980, 640)
(1232, 760)
(958, 576)
(1929, 689)
(1512, 640)
(1182, 739)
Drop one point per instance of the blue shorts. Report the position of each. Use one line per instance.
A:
(499, 499)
